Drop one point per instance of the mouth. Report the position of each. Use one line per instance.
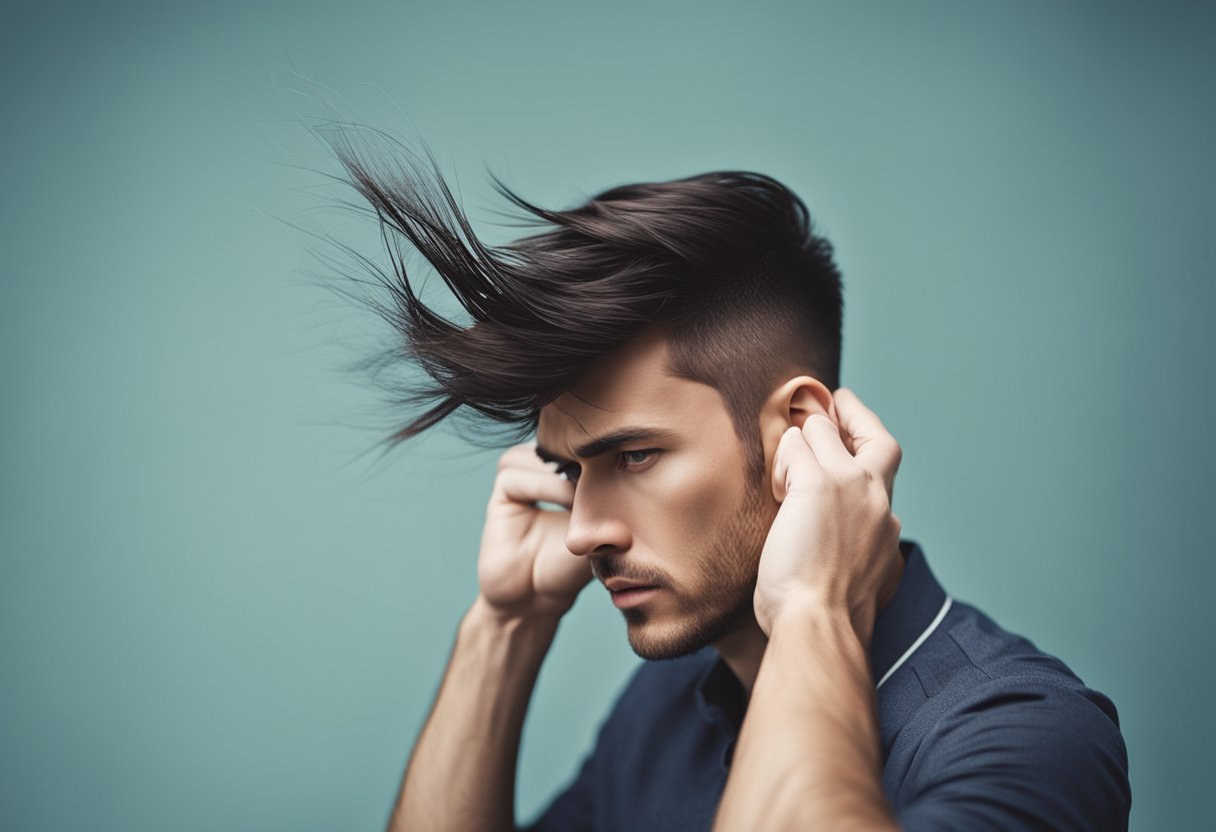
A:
(631, 595)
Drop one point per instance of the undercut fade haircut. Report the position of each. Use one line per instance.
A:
(726, 263)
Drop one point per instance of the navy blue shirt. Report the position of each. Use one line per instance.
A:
(980, 731)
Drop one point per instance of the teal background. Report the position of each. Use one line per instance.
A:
(219, 611)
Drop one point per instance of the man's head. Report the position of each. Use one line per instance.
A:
(661, 499)
(703, 306)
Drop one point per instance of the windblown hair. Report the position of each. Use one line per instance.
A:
(725, 262)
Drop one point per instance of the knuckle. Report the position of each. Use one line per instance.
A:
(518, 456)
(854, 476)
(502, 480)
(878, 493)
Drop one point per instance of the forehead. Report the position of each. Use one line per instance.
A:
(628, 387)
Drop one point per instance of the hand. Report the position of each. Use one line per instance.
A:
(834, 543)
(524, 568)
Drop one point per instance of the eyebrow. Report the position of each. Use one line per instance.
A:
(608, 442)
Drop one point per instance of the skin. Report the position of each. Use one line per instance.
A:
(676, 512)
(808, 752)
(784, 580)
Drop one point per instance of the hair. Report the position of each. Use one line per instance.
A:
(726, 263)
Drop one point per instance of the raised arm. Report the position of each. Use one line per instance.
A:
(461, 775)
(808, 754)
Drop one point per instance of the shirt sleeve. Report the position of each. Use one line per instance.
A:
(1020, 754)
(574, 808)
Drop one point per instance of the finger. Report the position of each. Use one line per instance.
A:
(527, 487)
(874, 447)
(524, 456)
(823, 437)
(793, 455)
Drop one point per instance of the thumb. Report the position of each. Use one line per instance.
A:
(793, 454)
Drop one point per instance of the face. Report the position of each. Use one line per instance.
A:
(673, 511)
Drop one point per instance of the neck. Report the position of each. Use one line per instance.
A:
(742, 650)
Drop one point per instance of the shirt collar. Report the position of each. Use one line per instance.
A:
(912, 613)
(719, 693)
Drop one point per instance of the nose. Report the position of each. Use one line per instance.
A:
(596, 526)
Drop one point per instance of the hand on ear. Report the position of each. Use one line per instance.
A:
(834, 543)
(792, 404)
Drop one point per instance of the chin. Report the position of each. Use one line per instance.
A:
(654, 646)
(655, 640)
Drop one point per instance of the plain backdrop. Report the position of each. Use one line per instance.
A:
(220, 610)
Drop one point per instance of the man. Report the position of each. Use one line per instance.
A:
(675, 347)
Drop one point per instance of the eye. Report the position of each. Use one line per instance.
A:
(629, 460)
(633, 460)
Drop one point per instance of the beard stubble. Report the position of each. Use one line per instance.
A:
(723, 601)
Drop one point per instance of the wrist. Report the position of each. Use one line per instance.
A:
(483, 614)
(806, 609)
(811, 613)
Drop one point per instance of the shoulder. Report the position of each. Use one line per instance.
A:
(1024, 745)
(1033, 718)
(1006, 668)
(1006, 729)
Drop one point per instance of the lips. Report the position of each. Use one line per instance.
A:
(622, 584)
(631, 593)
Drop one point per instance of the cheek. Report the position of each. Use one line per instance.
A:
(690, 500)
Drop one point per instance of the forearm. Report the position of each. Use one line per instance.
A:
(461, 775)
(808, 753)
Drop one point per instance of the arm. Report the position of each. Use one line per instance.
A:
(461, 774)
(808, 752)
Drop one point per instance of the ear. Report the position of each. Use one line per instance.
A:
(791, 404)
